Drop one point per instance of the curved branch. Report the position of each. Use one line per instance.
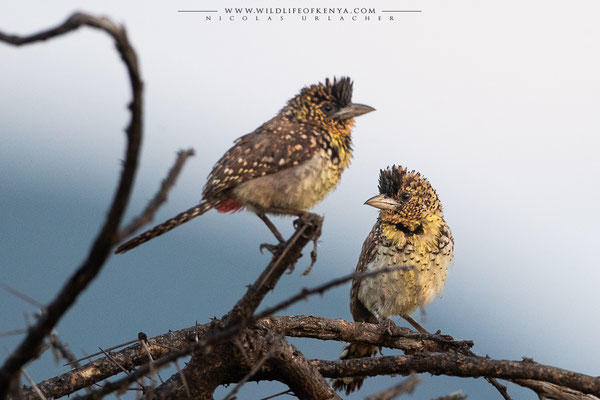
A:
(29, 348)
(458, 365)
(299, 374)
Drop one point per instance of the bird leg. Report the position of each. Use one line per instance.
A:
(271, 226)
(304, 217)
(271, 247)
(415, 324)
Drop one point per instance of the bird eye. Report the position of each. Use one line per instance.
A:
(405, 196)
(327, 108)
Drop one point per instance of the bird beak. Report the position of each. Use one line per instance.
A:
(382, 202)
(351, 111)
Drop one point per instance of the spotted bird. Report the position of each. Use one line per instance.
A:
(411, 235)
(286, 166)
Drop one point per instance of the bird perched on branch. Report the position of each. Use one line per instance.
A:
(410, 234)
(286, 166)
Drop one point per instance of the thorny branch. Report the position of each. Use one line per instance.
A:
(161, 196)
(317, 328)
(30, 346)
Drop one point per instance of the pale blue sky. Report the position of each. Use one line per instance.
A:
(495, 103)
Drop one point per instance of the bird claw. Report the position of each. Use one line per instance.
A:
(272, 248)
(317, 222)
(387, 325)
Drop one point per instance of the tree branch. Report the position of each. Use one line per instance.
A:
(283, 260)
(107, 237)
(552, 391)
(406, 386)
(303, 378)
(160, 198)
(458, 365)
(293, 326)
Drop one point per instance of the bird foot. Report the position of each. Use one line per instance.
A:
(272, 248)
(387, 325)
(317, 222)
(276, 249)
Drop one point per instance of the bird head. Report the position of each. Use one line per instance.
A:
(407, 202)
(327, 105)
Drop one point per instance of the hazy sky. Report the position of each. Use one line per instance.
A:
(496, 103)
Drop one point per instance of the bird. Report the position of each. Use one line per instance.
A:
(410, 237)
(284, 167)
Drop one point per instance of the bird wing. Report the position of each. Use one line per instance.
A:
(276, 145)
(368, 253)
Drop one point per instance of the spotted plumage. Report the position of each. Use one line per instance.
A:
(411, 235)
(287, 165)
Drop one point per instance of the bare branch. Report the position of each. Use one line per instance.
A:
(294, 326)
(303, 378)
(282, 261)
(257, 366)
(13, 332)
(453, 396)
(38, 392)
(62, 349)
(552, 391)
(458, 365)
(186, 387)
(239, 317)
(101, 352)
(22, 296)
(305, 293)
(407, 386)
(116, 363)
(277, 395)
(103, 243)
(160, 198)
(340, 330)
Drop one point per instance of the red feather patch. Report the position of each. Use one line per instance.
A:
(229, 205)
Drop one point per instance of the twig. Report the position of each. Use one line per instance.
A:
(406, 386)
(276, 395)
(183, 380)
(20, 294)
(453, 396)
(151, 362)
(13, 332)
(62, 349)
(32, 383)
(29, 347)
(160, 198)
(304, 293)
(102, 352)
(249, 375)
(122, 368)
(502, 389)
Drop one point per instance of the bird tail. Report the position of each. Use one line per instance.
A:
(353, 350)
(165, 227)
